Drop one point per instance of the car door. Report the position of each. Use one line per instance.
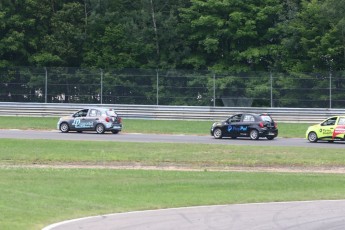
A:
(90, 121)
(79, 121)
(244, 126)
(233, 128)
(339, 131)
(93, 118)
(327, 128)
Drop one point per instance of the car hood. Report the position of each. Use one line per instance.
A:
(313, 126)
(219, 123)
(65, 118)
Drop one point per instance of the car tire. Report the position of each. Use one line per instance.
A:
(217, 133)
(270, 137)
(254, 134)
(312, 137)
(100, 129)
(64, 127)
(115, 131)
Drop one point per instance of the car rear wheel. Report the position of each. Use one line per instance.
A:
(217, 133)
(100, 128)
(270, 137)
(64, 127)
(254, 134)
(115, 131)
(312, 137)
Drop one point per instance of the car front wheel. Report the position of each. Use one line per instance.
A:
(254, 134)
(64, 127)
(270, 137)
(100, 128)
(217, 133)
(115, 131)
(312, 137)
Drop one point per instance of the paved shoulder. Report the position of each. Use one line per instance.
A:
(282, 215)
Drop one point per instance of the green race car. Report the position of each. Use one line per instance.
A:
(331, 129)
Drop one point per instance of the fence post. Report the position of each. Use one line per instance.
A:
(157, 90)
(214, 90)
(330, 89)
(271, 80)
(46, 86)
(101, 86)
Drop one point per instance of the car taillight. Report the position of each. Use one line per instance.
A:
(107, 119)
(119, 119)
(261, 124)
(275, 125)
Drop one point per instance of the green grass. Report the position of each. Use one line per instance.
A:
(147, 126)
(28, 123)
(52, 152)
(34, 198)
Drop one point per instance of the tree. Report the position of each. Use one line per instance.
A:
(231, 34)
(62, 44)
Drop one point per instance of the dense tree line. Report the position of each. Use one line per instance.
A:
(222, 36)
(231, 35)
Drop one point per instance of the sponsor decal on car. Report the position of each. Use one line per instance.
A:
(232, 128)
(325, 131)
(340, 129)
(78, 124)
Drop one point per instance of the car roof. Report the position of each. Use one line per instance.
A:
(254, 114)
(99, 108)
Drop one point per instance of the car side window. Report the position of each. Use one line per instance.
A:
(235, 118)
(248, 118)
(81, 113)
(341, 121)
(93, 113)
(329, 122)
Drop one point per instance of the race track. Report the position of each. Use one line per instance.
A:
(167, 138)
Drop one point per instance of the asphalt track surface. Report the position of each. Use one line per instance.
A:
(162, 138)
(307, 215)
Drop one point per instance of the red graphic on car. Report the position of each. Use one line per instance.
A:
(340, 129)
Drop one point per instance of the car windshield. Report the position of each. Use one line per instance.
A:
(330, 121)
(111, 113)
(266, 118)
(81, 113)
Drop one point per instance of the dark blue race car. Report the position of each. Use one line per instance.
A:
(246, 125)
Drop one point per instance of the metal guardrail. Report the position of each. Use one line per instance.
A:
(296, 115)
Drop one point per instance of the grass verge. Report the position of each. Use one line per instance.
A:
(55, 152)
(34, 198)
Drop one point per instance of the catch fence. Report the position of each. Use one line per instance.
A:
(172, 87)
